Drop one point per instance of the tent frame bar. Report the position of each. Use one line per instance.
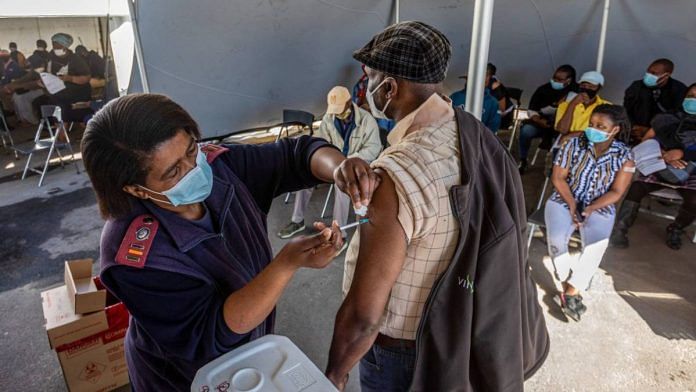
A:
(138, 46)
(478, 56)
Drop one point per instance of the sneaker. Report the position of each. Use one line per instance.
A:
(618, 239)
(572, 306)
(674, 240)
(291, 229)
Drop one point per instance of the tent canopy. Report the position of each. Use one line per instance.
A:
(53, 8)
(237, 65)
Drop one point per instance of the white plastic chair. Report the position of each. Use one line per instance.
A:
(52, 142)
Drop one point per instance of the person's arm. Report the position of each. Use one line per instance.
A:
(372, 145)
(564, 122)
(560, 173)
(380, 260)
(80, 80)
(271, 169)
(650, 134)
(249, 306)
(617, 191)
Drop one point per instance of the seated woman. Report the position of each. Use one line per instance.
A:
(591, 173)
(677, 136)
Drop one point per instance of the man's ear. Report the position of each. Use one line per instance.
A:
(136, 191)
(392, 88)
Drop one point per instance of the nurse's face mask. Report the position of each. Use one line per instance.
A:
(192, 188)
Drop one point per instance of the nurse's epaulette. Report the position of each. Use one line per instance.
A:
(212, 151)
(137, 241)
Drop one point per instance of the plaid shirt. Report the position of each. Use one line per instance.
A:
(424, 165)
(590, 177)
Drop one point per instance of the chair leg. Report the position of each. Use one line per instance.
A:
(26, 166)
(287, 198)
(515, 128)
(326, 202)
(531, 235)
(536, 155)
(9, 136)
(48, 158)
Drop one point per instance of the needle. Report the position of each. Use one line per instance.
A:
(356, 223)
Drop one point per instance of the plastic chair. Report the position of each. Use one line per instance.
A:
(5, 134)
(51, 143)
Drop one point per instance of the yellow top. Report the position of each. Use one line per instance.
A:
(581, 114)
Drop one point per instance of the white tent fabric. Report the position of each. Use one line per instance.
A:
(237, 65)
(54, 8)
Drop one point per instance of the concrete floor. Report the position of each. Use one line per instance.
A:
(639, 333)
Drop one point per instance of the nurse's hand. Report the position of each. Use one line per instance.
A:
(315, 251)
(356, 179)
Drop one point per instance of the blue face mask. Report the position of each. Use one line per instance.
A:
(193, 188)
(650, 80)
(556, 85)
(594, 135)
(689, 105)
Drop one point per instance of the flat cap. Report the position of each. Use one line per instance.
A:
(410, 50)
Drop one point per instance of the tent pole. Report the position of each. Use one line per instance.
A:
(603, 36)
(397, 11)
(478, 56)
(138, 47)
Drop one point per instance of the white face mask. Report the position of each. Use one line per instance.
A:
(41, 49)
(40, 69)
(59, 52)
(376, 113)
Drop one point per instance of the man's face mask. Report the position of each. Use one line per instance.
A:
(590, 93)
(193, 188)
(59, 52)
(377, 113)
(344, 116)
(650, 80)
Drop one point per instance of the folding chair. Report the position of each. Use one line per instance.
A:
(518, 116)
(51, 143)
(298, 118)
(5, 134)
(668, 195)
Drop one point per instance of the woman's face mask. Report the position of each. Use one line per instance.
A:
(689, 105)
(193, 188)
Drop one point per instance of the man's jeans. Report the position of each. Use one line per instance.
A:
(528, 132)
(387, 369)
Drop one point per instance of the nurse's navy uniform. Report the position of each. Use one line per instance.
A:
(174, 274)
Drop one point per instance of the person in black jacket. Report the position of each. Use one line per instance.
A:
(656, 93)
(447, 221)
(676, 133)
(544, 102)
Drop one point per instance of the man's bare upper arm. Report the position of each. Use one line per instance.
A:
(381, 255)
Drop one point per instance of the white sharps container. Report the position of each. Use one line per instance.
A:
(271, 363)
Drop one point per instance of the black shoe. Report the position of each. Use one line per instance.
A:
(572, 306)
(619, 239)
(523, 167)
(674, 234)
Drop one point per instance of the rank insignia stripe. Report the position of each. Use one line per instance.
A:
(137, 241)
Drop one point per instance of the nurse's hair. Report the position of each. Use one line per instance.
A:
(119, 140)
(617, 114)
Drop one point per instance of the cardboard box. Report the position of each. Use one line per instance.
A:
(84, 294)
(89, 347)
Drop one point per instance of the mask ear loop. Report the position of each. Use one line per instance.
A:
(159, 193)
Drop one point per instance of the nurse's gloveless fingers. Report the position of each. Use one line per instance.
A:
(351, 186)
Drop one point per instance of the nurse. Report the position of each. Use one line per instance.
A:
(185, 243)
